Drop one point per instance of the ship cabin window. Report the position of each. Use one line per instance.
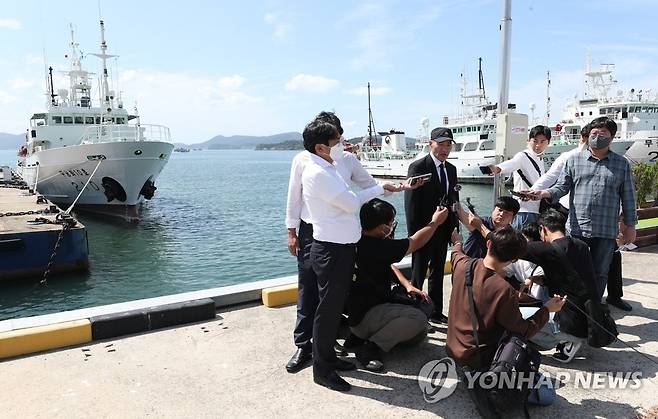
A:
(471, 147)
(57, 119)
(121, 120)
(79, 120)
(89, 120)
(68, 119)
(590, 112)
(457, 147)
(98, 120)
(487, 145)
(468, 129)
(479, 128)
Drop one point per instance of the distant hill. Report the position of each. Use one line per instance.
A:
(286, 145)
(11, 141)
(245, 141)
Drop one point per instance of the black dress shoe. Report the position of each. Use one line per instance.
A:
(333, 381)
(439, 318)
(619, 303)
(342, 365)
(299, 360)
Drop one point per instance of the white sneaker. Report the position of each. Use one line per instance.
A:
(565, 352)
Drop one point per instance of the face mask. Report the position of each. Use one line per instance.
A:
(336, 152)
(598, 141)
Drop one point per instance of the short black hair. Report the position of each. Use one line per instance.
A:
(508, 203)
(553, 220)
(376, 212)
(531, 231)
(318, 132)
(604, 122)
(540, 130)
(331, 118)
(584, 131)
(507, 244)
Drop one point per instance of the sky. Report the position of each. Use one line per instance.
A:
(206, 68)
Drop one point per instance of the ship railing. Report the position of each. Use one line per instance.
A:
(125, 133)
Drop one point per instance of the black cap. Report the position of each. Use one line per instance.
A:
(441, 134)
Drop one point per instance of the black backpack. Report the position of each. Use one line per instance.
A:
(513, 356)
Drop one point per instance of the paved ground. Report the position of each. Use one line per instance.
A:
(234, 367)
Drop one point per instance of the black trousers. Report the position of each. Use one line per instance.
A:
(614, 278)
(307, 289)
(433, 254)
(334, 266)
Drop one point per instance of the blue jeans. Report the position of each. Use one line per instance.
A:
(543, 396)
(550, 335)
(524, 217)
(602, 252)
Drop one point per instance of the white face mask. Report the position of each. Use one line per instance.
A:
(336, 152)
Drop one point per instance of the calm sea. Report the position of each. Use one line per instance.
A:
(217, 219)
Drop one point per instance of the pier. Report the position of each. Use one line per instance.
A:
(232, 365)
(36, 235)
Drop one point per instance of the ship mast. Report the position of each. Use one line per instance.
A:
(371, 123)
(547, 116)
(106, 100)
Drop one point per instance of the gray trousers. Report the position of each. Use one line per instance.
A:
(389, 324)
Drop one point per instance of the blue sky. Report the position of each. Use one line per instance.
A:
(262, 67)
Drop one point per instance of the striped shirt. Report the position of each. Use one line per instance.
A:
(596, 189)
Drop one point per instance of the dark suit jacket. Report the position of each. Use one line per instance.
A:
(420, 204)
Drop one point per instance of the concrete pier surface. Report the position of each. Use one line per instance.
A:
(233, 366)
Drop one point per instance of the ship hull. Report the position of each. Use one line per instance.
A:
(116, 188)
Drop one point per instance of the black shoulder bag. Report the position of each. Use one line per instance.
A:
(513, 356)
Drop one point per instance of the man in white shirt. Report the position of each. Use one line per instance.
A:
(300, 236)
(549, 178)
(333, 209)
(527, 166)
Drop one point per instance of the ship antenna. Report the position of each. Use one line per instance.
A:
(52, 92)
(481, 76)
(371, 123)
(548, 97)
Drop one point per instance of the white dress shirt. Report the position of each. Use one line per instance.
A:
(349, 168)
(331, 205)
(438, 164)
(520, 161)
(549, 178)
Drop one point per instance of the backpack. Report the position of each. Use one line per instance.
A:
(514, 355)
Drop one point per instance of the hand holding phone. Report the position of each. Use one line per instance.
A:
(486, 170)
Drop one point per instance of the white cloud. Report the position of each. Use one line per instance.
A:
(6, 98)
(282, 28)
(10, 24)
(374, 91)
(311, 84)
(21, 83)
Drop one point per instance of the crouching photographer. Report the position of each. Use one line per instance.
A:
(486, 331)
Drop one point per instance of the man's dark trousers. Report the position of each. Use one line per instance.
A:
(434, 253)
(333, 264)
(615, 291)
(307, 289)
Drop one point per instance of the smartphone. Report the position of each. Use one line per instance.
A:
(520, 194)
(486, 170)
(415, 179)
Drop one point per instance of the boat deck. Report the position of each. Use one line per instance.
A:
(233, 366)
(14, 201)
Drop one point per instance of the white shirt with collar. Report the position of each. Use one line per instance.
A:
(331, 205)
(520, 161)
(438, 164)
(549, 178)
(349, 168)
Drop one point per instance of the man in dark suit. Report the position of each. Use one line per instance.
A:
(420, 204)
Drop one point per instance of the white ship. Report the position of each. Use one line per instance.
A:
(635, 112)
(474, 131)
(100, 155)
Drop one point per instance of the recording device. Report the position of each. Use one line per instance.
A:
(412, 181)
(470, 206)
(486, 170)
